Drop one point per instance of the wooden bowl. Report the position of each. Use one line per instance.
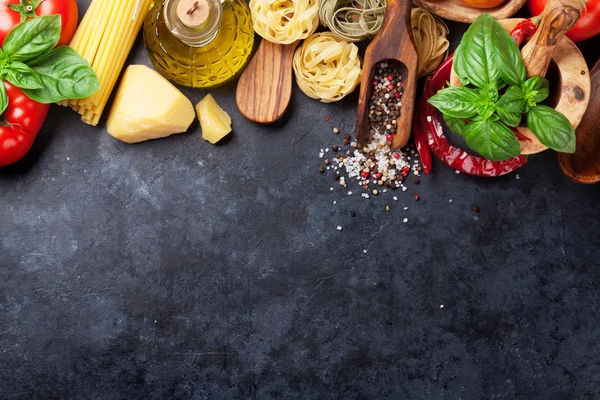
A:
(456, 10)
(572, 89)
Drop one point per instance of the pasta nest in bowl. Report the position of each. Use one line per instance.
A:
(284, 21)
(327, 68)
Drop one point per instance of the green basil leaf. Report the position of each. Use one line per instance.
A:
(486, 111)
(507, 56)
(65, 75)
(510, 106)
(488, 95)
(492, 139)
(474, 57)
(456, 125)
(20, 75)
(32, 38)
(458, 102)
(3, 98)
(551, 128)
(536, 90)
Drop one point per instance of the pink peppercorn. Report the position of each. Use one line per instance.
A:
(397, 95)
(389, 137)
(396, 155)
(390, 78)
(390, 87)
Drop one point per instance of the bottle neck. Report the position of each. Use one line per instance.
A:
(194, 22)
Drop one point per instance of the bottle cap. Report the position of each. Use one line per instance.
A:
(193, 13)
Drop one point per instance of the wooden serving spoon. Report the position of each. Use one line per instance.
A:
(584, 165)
(265, 87)
(394, 43)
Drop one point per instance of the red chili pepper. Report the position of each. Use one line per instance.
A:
(523, 30)
(430, 124)
(422, 145)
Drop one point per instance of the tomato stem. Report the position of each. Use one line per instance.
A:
(26, 8)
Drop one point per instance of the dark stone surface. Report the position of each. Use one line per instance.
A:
(178, 269)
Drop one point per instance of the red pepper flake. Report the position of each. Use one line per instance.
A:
(327, 118)
(364, 174)
(379, 175)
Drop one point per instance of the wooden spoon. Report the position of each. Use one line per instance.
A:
(584, 165)
(265, 87)
(394, 43)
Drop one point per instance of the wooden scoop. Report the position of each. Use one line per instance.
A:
(394, 43)
(265, 88)
(584, 165)
(558, 17)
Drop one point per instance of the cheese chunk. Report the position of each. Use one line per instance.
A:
(147, 106)
(215, 122)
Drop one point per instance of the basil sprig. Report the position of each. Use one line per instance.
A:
(29, 61)
(486, 61)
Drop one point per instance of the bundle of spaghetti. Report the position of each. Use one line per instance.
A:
(352, 20)
(326, 67)
(285, 21)
(104, 38)
(429, 35)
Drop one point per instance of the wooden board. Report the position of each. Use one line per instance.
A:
(456, 10)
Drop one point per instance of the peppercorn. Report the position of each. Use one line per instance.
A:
(375, 192)
(336, 176)
(416, 181)
(321, 169)
(335, 147)
(326, 161)
(388, 208)
(475, 208)
(416, 197)
(336, 130)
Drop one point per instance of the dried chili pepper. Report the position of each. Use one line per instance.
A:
(525, 29)
(422, 146)
(428, 123)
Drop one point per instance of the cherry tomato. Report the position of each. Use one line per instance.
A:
(67, 9)
(588, 25)
(23, 119)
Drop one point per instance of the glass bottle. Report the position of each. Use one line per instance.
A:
(199, 43)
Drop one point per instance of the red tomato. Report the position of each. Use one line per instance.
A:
(25, 118)
(588, 25)
(66, 8)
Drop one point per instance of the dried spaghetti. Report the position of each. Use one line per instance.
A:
(326, 67)
(352, 20)
(429, 33)
(285, 21)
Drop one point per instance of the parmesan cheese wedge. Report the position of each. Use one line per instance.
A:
(215, 122)
(147, 106)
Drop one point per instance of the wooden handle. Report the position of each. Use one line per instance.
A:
(557, 18)
(584, 165)
(393, 42)
(265, 88)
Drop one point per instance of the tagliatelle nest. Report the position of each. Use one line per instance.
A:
(326, 67)
(285, 21)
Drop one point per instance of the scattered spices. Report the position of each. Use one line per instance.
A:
(327, 118)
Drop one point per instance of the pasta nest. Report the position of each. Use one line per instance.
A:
(285, 21)
(326, 67)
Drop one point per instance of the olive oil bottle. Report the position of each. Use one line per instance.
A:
(199, 43)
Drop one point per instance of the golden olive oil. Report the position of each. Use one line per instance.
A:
(200, 44)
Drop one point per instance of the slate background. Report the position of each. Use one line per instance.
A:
(178, 269)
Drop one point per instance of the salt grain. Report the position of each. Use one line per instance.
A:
(405, 220)
(339, 228)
